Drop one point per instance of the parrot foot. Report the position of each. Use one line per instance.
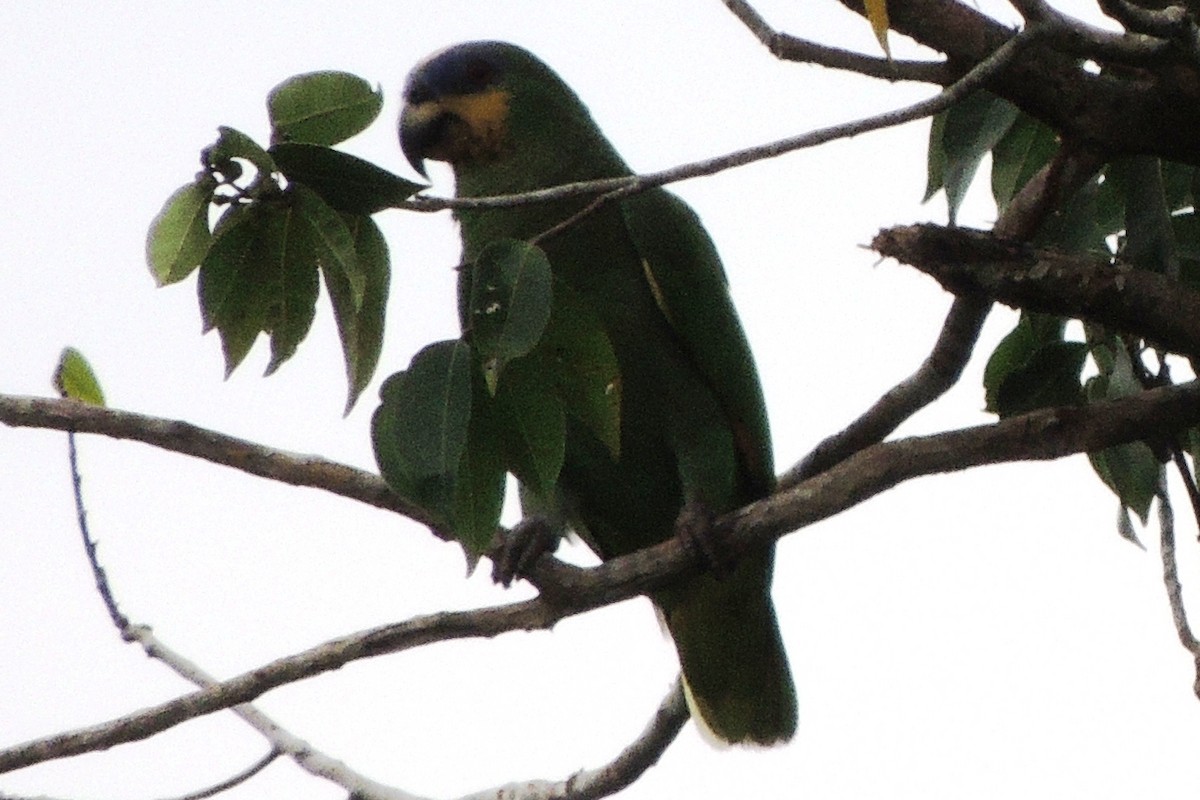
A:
(695, 527)
(529, 540)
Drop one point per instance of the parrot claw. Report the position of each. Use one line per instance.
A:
(529, 540)
(695, 527)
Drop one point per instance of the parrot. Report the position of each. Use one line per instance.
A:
(694, 441)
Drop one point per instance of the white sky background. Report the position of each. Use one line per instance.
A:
(984, 635)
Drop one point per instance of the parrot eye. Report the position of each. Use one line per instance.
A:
(480, 73)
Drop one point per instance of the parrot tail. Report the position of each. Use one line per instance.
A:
(736, 677)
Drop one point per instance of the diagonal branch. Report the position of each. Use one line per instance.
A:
(1040, 435)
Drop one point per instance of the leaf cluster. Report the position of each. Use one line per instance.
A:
(532, 360)
(265, 226)
(1137, 211)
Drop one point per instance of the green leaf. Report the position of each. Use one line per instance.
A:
(325, 231)
(234, 291)
(480, 480)
(532, 424)
(347, 183)
(1034, 368)
(509, 305)
(322, 108)
(1133, 474)
(1083, 223)
(935, 163)
(304, 241)
(233, 144)
(1131, 470)
(360, 325)
(1149, 241)
(1024, 149)
(430, 404)
(179, 235)
(75, 379)
(260, 274)
(969, 130)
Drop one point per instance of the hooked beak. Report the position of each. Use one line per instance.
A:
(422, 127)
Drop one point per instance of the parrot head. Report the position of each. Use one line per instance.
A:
(493, 105)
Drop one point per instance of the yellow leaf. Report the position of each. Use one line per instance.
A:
(877, 14)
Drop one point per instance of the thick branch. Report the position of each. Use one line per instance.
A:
(1040, 435)
(976, 264)
(1151, 109)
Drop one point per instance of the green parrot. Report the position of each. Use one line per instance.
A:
(693, 435)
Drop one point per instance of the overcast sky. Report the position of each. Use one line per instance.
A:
(984, 635)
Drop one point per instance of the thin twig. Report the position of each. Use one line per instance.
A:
(622, 771)
(119, 620)
(234, 780)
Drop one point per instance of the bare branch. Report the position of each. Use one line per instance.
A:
(619, 773)
(792, 48)
(183, 437)
(1040, 435)
(939, 371)
(974, 263)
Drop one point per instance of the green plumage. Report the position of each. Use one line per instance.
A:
(693, 427)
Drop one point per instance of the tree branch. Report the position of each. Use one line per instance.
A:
(1151, 108)
(1070, 168)
(1040, 435)
(977, 264)
(792, 48)
(183, 437)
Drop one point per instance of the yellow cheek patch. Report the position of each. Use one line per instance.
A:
(486, 115)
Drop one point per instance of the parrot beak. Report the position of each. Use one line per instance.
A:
(422, 127)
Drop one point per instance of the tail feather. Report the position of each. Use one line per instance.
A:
(736, 675)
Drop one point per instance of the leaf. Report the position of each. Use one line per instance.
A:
(430, 405)
(480, 480)
(179, 235)
(347, 183)
(75, 379)
(233, 144)
(304, 241)
(260, 274)
(322, 108)
(1024, 149)
(360, 325)
(935, 162)
(234, 293)
(1149, 241)
(325, 231)
(532, 425)
(877, 14)
(509, 305)
(969, 130)
(1131, 470)
(1033, 367)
